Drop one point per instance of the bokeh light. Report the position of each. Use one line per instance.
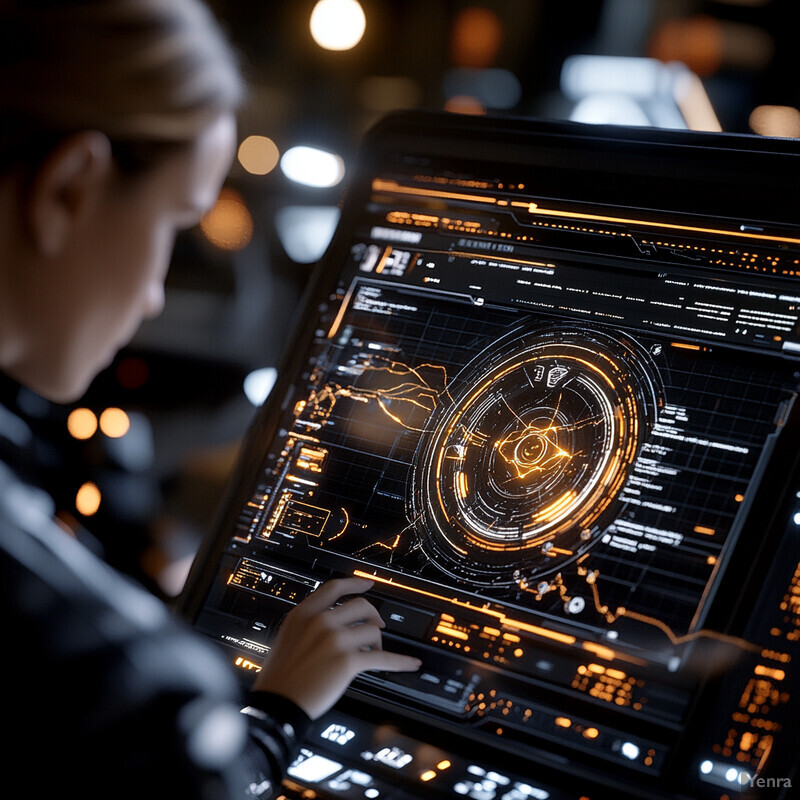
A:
(259, 155)
(476, 37)
(780, 121)
(312, 166)
(306, 231)
(694, 41)
(229, 224)
(114, 422)
(82, 423)
(337, 24)
(87, 500)
(258, 384)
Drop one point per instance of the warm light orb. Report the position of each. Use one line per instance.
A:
(114, 423)
(229, 224)
(82, 423)
(258, 155)
(476, 37)
(337, 24)
(87, 501)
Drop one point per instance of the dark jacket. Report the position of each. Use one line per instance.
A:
(105, 692)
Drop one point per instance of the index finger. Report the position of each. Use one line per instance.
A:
(331, 591)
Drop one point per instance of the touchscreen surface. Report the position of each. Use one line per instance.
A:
(544, 397)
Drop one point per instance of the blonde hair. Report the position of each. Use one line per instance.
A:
(154, 72)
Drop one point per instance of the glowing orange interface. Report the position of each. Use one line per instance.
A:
(541, 428)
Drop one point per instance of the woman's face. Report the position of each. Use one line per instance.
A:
(98, 293)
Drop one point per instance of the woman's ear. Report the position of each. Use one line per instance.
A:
(65, 187)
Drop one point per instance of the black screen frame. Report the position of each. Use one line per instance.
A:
(725, 175)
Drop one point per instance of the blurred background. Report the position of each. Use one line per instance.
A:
(142, 459)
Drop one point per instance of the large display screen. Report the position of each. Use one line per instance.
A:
(544, 397)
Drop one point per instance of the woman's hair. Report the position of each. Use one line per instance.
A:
(150, 74)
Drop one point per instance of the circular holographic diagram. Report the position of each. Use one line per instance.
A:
(521, 464)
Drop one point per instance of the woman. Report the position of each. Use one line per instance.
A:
(117, 130)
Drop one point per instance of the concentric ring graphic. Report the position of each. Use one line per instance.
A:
(520, 467)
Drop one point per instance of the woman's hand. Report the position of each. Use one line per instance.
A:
(322, 645)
